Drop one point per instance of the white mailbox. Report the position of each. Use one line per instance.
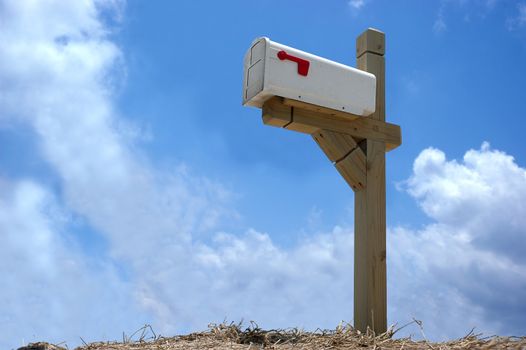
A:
(272, 69)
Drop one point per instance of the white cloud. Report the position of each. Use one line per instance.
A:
(477, 9)
(56, 77)
(522, 14)
(519, 20)
(57, 74)
(454, 269)
(440, 25)
(250, 278)
(469, 10)
(468, 265)
(488, 183)
(50, 289)
(357, 4)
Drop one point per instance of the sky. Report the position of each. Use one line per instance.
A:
(136, 189)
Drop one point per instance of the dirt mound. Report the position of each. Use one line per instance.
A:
(232, 336)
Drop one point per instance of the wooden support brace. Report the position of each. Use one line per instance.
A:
(353, 169)
(347, 156)
(335, 145)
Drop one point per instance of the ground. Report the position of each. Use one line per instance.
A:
(231, 336)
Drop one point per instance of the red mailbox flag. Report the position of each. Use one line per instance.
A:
(303, 65)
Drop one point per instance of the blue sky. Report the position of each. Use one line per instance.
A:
(135, 188)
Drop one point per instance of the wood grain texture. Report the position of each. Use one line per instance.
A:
(375, 64)
(370, 282)
(347, 156)
(353, 169)
(372, 40)
(319, 109)
(361, 128)
(335, 145)
(276, 113)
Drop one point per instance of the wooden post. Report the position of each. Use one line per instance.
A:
(370, 282)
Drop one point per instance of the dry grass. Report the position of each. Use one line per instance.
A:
(233, 336)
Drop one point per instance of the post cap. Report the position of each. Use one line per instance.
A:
(372, 40)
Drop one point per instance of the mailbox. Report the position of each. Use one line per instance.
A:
(272, 69)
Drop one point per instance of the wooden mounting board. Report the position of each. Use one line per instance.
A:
(289, 115)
